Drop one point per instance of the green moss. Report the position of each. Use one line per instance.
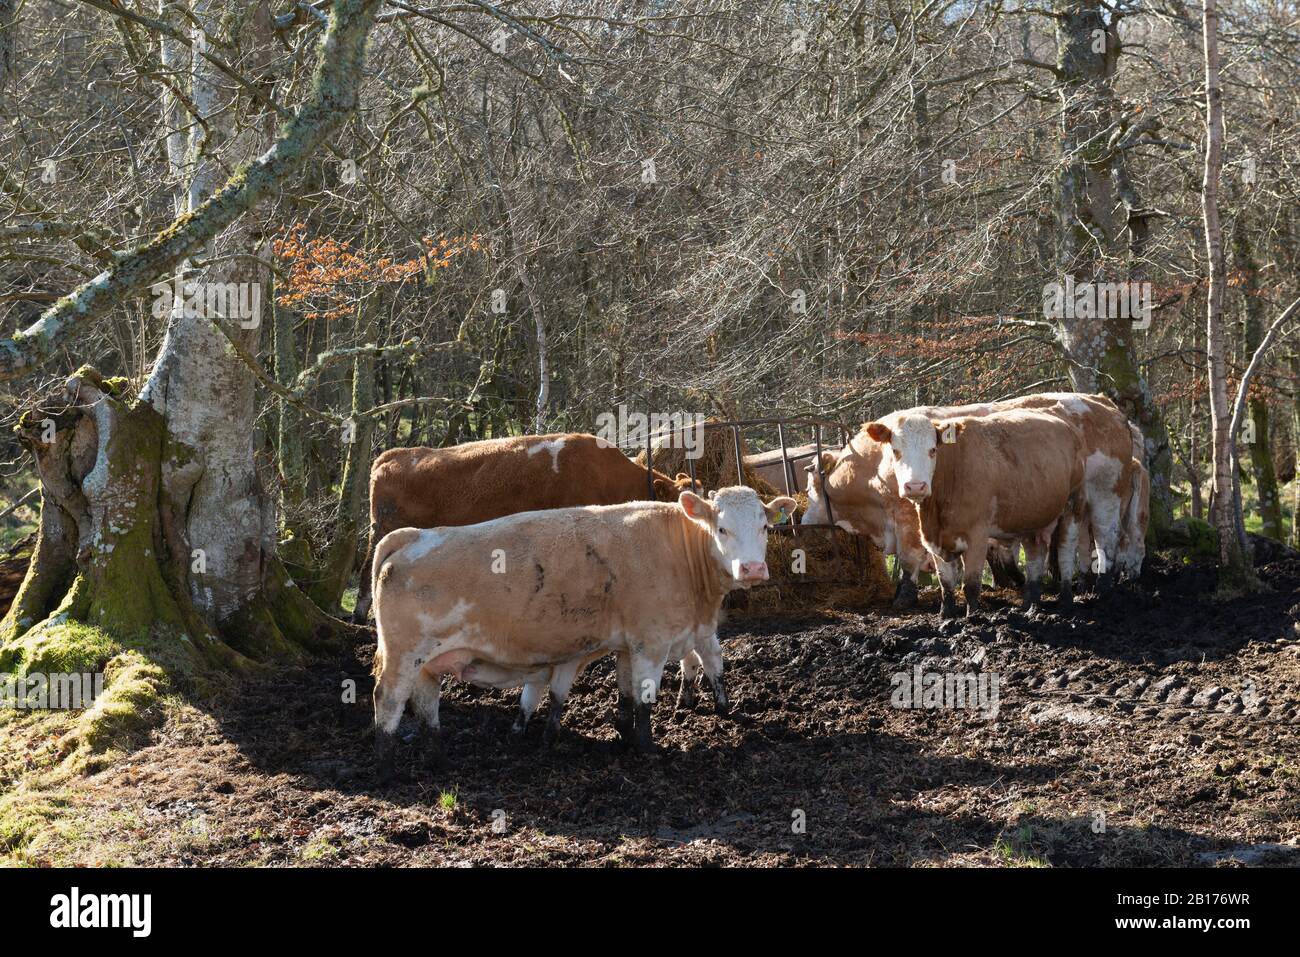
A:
(55, 646)
(24, 816)
(128, 710)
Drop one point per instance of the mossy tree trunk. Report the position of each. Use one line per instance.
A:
(156, 530)
(1093, 185)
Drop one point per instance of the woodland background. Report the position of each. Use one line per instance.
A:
(540, 210)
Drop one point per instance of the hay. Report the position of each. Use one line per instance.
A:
(788, 590)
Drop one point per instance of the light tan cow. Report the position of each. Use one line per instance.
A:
(1014, 475)
(530, 598)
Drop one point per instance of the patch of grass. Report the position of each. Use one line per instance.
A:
(1018, 850)
(447, 800)
(319, 849)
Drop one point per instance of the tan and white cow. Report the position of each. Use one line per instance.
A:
(530, 598)
(865, 498)
(1010, 476)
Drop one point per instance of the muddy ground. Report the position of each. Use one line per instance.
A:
(1152, 727)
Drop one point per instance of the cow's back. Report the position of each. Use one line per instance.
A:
(1024, 464)
(480, 481)
(538, 587)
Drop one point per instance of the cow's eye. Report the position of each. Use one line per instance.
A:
(723, 532)
(897, 453)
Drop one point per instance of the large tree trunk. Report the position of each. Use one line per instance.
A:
(1235, 571)
(1092, 183)
(158, 540)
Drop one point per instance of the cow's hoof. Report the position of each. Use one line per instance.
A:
(905, 595)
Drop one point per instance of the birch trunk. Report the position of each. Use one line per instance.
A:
(1235, 572)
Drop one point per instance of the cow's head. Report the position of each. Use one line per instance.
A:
(913, 446)
(815, 513)
(737, 521)
(668, 489)
(857, 502)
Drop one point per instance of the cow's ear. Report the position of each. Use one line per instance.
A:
(879, 431)
(947, 432)
(780, 509)
(697, 509)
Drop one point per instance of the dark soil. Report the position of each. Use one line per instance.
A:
(1152, 727)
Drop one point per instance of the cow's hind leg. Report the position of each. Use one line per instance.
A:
(391, 692)
(690, 670)
(561, 681)
(1002, 565)
(949, 576)
(625, 716)
(647, 672)
(425, 698)
(1067, 559)
(1036, 551)
(972, 561)
(529, 699)
(362, 608)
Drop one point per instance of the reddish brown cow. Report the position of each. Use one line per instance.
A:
(479, 481)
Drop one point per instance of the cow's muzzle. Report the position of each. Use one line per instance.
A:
(916, 490)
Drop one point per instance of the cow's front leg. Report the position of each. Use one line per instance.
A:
(686, 693)
(710, 654)
(625, 715)
(647, 671)
(949, 575)
(972, 561)
(561, 681)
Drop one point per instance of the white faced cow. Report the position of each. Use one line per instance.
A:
(1009, 476)
(529, 598)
